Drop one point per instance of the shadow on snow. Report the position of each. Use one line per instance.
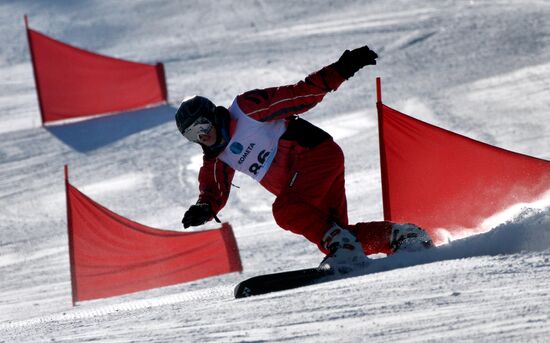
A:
(94, 133)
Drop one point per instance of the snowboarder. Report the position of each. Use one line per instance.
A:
(261, 135)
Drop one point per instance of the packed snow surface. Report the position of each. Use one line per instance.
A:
(479, 68)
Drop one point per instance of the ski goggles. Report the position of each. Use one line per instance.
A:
(200, 126)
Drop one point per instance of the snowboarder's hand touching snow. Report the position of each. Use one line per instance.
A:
(197, 214)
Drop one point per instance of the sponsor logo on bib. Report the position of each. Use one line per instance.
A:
(236, 148)
(248, 151)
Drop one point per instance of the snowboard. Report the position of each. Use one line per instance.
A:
(281, 281)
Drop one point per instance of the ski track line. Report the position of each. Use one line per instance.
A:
(220, 292)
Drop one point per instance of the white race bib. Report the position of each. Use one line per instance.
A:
(253, 145)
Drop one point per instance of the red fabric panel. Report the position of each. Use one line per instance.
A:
(111, 255)
(72, 82)
(438, 179)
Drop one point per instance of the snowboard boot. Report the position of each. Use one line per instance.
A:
(409, 237)
(345, 251)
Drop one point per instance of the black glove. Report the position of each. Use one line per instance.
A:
(197, 214)
(351, 61)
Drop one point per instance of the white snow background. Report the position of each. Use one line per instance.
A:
(479, 68)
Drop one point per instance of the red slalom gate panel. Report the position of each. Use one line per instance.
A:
(72, 83)
(436, 178)
(111, 255)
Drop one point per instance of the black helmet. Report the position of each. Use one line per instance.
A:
(192, 109)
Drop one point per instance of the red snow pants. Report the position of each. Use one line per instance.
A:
(315, 197)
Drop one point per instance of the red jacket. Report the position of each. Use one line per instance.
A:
(277, 103)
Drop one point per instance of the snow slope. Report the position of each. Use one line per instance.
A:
(480, 68)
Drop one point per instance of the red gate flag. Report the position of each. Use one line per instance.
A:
(71, 82)
(111, 255)
(438, 179)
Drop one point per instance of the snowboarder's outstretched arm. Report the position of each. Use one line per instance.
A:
(282, 102)
(214, 185)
